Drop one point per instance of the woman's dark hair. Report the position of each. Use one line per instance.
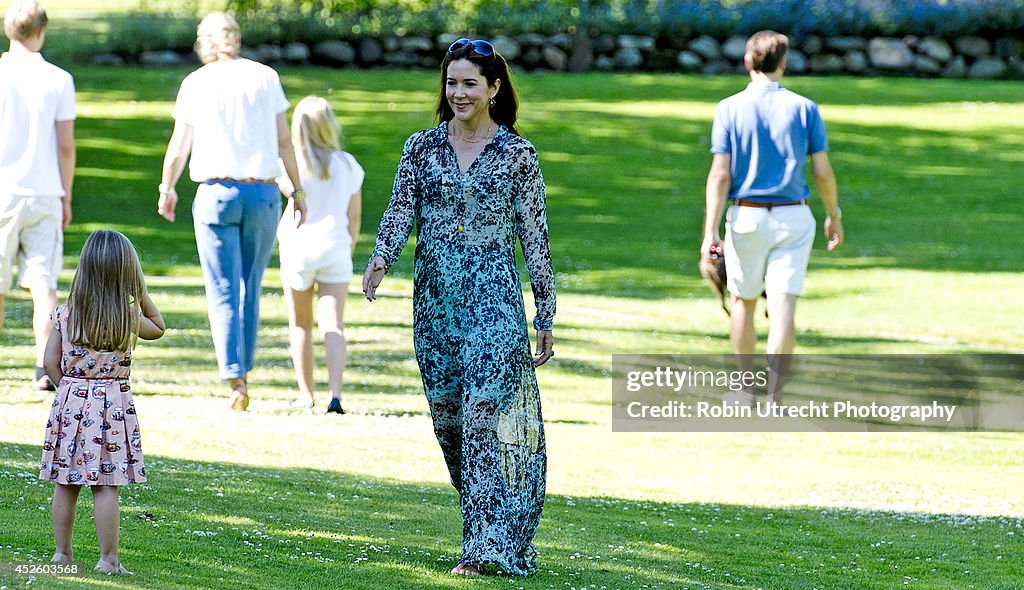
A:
(492, 67)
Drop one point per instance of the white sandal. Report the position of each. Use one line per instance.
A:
(108, 568)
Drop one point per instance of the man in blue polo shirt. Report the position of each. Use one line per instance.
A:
(760, 142)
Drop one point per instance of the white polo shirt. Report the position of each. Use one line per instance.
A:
(34, 95)
(232, 107)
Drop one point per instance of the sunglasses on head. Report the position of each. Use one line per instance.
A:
(479, 45)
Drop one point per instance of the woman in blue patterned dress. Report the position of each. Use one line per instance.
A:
(472, 186)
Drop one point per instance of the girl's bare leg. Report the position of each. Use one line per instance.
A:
(63, 512)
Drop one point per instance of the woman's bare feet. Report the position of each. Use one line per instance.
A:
(110, 568)
(62, 558)
(468, 569)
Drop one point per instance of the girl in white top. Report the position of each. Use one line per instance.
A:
(320, 250)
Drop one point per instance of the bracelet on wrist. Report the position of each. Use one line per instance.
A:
(298, 195)
(387, 267)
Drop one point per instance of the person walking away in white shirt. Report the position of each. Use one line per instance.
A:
(37, 168)
(320, 250)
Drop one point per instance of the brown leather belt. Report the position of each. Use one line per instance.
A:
(746, 203)
(243, 180)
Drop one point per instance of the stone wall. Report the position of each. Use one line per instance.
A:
(963, 57)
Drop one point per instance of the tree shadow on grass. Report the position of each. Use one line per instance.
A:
(221, 525)
(915, 199)
(826, 90)
(625, 190)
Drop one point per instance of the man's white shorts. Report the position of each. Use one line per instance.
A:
(31, 237)
(301, 265)
(766, 250)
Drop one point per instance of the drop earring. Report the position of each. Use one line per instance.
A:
(491, 102)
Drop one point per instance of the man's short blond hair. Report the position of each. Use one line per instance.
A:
(218, 36)
(24, 20)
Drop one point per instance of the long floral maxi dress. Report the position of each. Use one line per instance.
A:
(470, 333)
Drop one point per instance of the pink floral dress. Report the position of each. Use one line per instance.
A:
(92, 435)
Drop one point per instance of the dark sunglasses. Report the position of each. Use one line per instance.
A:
(479, 45)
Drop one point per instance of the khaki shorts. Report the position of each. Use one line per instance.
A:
(31, 237)
(767, 250)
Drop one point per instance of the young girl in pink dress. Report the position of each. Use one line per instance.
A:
(92, 435)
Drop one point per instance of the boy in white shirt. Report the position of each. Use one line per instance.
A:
(37, 164)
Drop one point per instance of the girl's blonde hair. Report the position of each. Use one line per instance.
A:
(104, 305)
(315, 135)
(218, 36)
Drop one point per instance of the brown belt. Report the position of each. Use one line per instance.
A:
(746, 203)
(243, 180)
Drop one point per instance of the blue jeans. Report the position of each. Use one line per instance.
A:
(235, 226)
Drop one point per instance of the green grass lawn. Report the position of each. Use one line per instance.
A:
(271, 499)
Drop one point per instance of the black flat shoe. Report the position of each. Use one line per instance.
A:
(335, 407)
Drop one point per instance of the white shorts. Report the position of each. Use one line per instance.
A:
(32, 238)
(302, 265)
(766, 250)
